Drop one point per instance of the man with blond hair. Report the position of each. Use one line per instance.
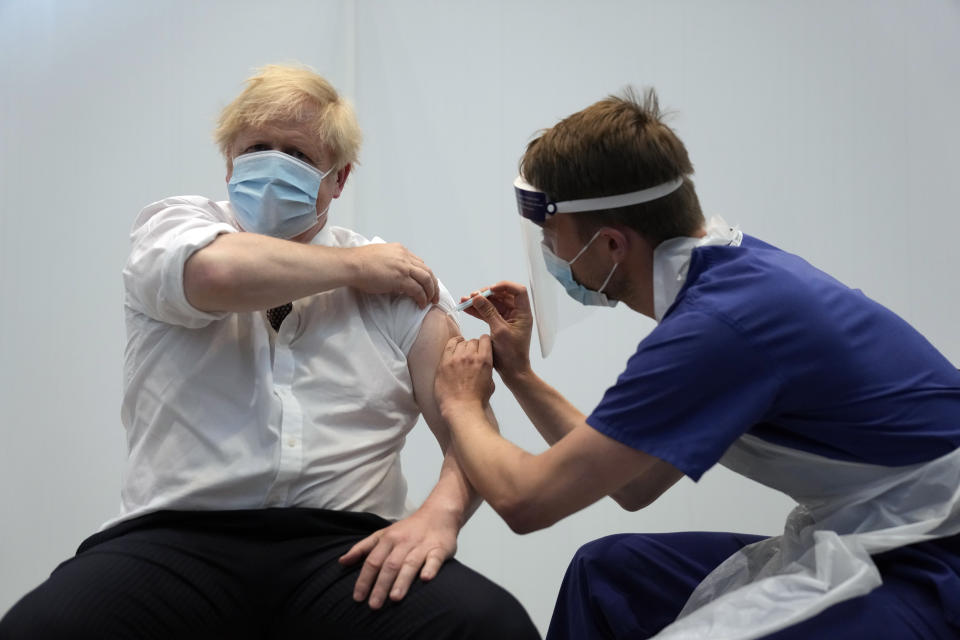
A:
(274, 365)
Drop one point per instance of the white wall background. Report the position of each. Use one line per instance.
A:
(826, 127)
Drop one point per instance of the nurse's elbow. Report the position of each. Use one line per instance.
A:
(522, 525)
(631, 505)
(630, 501)
(521, 516)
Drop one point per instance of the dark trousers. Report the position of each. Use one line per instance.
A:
(633, 585)
(257, 574)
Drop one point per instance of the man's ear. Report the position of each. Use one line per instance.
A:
(342, 176)
(229, 158)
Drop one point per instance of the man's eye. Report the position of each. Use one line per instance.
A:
(299, 155)
(256, 147)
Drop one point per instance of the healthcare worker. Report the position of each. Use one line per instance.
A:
(274, 365)
(759, 362)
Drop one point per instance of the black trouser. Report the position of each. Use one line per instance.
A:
(261, 574)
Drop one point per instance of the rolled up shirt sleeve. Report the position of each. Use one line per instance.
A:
(398, 316)
(408, 317)
(164, 236)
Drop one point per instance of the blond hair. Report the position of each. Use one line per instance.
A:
(614, 146)
(285, 93)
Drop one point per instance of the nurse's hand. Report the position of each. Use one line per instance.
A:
(507, 311)
(392, 268)
(464, 375)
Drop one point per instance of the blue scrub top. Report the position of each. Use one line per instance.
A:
(760, 341)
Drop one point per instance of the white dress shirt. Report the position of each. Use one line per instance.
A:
(221, 412)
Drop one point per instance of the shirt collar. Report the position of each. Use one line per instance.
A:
(324, 237)
(671, 260)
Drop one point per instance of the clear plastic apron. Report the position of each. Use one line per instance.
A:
(846, 512)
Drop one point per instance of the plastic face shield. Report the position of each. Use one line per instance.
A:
(535, 208)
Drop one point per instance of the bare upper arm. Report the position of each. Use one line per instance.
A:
(422, 360)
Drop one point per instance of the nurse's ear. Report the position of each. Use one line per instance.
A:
(617, 241)
(626, 244)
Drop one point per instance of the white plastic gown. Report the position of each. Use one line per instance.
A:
(846, 512)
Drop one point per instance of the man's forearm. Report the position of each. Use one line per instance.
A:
(250, 272)
(452, 496)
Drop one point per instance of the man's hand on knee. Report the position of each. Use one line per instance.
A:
(395, 555)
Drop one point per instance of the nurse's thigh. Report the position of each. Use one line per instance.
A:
(633, 585)
(130, 587)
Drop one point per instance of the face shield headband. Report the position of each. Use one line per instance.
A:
(535, 205)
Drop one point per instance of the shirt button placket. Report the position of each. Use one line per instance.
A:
(291, 423)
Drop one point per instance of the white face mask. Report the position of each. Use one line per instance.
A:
(274, 193)
(561, 270)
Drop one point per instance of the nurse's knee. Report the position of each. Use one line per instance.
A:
(603, 553)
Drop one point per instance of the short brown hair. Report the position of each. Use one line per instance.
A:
(615, 146)
(289, 92)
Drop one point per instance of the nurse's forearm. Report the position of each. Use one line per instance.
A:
(497, 468)
(532, 492)
(554, 417)
(551, 413)
(251, 272)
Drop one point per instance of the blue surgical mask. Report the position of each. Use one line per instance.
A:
(275, 194)
(560, 269)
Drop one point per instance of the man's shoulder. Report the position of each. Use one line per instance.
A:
(186, 206)
(392, 304)
(344, 237)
